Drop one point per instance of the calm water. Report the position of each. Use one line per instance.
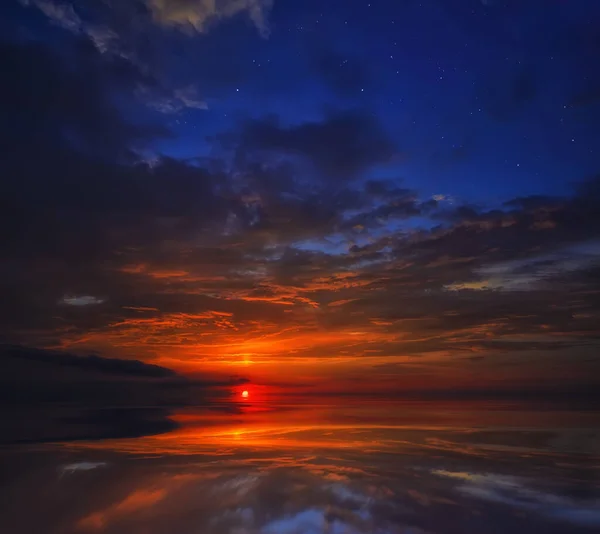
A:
(404, 467)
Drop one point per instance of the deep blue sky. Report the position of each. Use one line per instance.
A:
(480, 97)
(477, 95)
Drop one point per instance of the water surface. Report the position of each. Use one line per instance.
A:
(345, 467)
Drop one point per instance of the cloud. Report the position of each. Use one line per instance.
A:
(64, 396)
(64, 15)
(399, 204)
(307, 521)
(185, 15)
(518, 493)
(125, 33)
(81, 300)
(72, 106)
(70, 469)
(61, 14)
(395, 493)
(536, 271)
(236, 498)
(341, 146)
(199, 14)
(180, 99)
(139, 500)
(93, 364)
(217, 294)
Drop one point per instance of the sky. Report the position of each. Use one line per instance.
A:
(334, 196)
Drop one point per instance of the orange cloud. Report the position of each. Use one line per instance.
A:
(135, 502)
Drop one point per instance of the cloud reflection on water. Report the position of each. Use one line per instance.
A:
(277, 474)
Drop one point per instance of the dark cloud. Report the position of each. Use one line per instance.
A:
(341, 146)
(398, 205)
(74, 188)
(63, 396)
(115, 207)
(49, 101)
(528, 226)
(91, 363)
(456, 281)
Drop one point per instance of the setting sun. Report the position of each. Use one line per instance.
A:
(245, 394)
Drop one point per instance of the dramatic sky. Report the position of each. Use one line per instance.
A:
(340, 195)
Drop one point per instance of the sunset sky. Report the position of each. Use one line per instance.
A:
(323, 196)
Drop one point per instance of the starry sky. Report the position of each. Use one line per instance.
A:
(335, 196)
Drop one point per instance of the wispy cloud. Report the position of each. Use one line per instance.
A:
(518, 493)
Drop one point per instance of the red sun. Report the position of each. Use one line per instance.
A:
(245, 394)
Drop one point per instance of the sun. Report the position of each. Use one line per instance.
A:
(245, 394)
